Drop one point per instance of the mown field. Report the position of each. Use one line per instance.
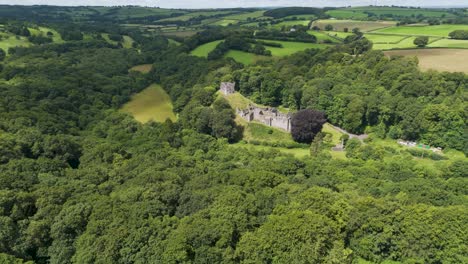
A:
(203, 50)
(436, 30)
(322, 36)
(152, 104)
(244, 57)
(291, 23)
(290, 47)
(188, 16)
(451, 60)
(364, 26)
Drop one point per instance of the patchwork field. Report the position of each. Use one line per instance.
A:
(57, 38)
(322, 36)
(378, 39)
(187, 17)
(347, 14)
(449, 43)
(436, 30)
(291, 23)
(451, 60)
(225, 22)
(361, 12)
(246, 16)
(364, 26)
(152, 104)
(290, 47)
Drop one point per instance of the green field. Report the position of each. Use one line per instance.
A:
(347, 14)
(437, 30)
(322, 36)
(290, 47)
(188, 16)
(203, 50)
(245, 16)
(384, 39)
(225, 22)
(291, 23)
(341, 35)
(359, 12)
(153, 103)
(127, 42)
(364, 26)
(10, 41)
(449, 43)
(43, 31)
(244, 57)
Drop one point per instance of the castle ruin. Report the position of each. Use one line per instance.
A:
(269, 116)
(227, 88)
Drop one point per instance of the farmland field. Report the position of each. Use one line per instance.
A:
(347, 14)
(357, 12)
(377, 38)
(203, 50)
(404, 44)
(153, 103)
(452, 60)
(321, 36)
(43, 31)
(291, 23)
(225, 22)
(364, 26)
(244, 57)
(245, 16)
(341, 35)
(187, 17)
(437, 30)
(290, 47)
(449, 43)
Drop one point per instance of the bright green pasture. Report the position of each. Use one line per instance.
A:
(106, 37)
(341, 35)
(321, 36)
(384, 39)
(244, 57)
(395, 11)
(225, 22)
(203, 50)
(436, 30)
(290, 47)
(364, 26)
(405, 43)
(301, 17)
(449, 43)
(127, 42)
(153, 103)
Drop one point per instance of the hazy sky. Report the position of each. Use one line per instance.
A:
(238, 3)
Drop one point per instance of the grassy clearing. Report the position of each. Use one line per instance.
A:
(321, 36)
(406, 43)
(244, 57)
(449, 43)
(437, 30)
(105, 36)
(10, 41)
(127, 42)
(203, 50)
(451, 60)
(237, 100)
(290, 47)
(225, 22)
(364, 26)
(341, 35)
(56, 38)
(144, 68)
(153, 103)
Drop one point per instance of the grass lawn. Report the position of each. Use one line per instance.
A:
(451, 60)
(364, 26)
(144, 68)
(153, 103)
(203, 50)
(437, 30)
(321, 36)
(290, 47)
(244, 57)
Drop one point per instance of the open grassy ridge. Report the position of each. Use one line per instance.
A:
(203, 50)
(152, 104)
(364, 26)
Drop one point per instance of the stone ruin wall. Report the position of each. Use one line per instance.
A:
(268, 116)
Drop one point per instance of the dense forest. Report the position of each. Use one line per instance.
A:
(82, 182)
